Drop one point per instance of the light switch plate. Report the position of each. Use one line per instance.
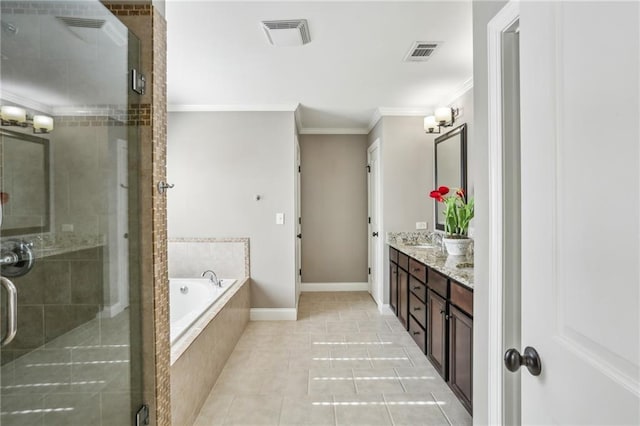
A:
(421, 225)
(279, 218)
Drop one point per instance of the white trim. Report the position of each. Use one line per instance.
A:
(379, 262)
(385, 310)
(496, 27)
(456, 94)
(313, 287)
(273, 314)
(375, 117)
(297, 115)
(233, 108)
(333, 131)
(111, 310)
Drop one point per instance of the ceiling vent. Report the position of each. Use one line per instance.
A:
(292, 32)
(81, 22)
(421, 51)
(84, 29)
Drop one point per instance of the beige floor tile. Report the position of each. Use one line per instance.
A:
(214, 411)
(367, 410)
(331, 381)
(295, 382)
(254, 410)
(411, 409)
(307, 411)
(455, 412)
(377, 381)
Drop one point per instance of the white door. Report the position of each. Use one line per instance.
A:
(298, 226)
(580, 211)
(373, 183)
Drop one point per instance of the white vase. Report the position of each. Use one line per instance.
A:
(457, 246)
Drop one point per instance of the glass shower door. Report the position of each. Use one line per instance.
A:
(70, 350)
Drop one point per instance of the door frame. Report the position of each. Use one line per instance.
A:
(499, 318)
(376, 264)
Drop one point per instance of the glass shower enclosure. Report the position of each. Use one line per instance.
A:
(69, 301)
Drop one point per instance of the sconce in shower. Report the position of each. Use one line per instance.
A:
(15, 116)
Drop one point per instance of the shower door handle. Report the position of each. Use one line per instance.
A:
(12, 308)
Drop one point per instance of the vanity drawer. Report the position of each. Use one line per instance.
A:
(418, 309)
(462, 297)
(437, 282)
(418, 270)
(417, 288)
(393, 255)
(403, 261)
(417, 333)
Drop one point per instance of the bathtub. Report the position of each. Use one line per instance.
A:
(189, 299)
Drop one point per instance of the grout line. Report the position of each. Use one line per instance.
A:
(384, 398)
(404, 389)
(440, 408)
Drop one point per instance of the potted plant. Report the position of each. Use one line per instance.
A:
(458, 212)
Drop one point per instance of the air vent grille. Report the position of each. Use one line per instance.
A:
(421, 51)
(288, 32)
(81, 22)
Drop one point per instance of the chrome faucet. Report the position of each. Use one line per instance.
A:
(213, 278)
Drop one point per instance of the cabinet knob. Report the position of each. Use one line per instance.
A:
(416, 308)
(416, 332)
(417, 288)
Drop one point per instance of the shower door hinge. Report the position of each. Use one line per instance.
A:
(138, 82)
(142, 416)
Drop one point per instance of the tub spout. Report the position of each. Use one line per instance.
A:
(213, 278)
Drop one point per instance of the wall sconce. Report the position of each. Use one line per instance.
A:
(15, 116)
(444, 117)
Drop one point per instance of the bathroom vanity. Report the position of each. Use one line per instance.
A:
(432, 296)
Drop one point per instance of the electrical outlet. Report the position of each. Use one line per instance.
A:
(67, 227)
(279, 218)
(421, 225)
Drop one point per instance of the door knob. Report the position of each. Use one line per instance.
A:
(513, 360)
(299, 236)
(375, 234)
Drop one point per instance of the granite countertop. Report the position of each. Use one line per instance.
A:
(424, 249)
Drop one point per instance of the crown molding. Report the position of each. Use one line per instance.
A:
(26, 102)
(333, 131)
(298, 117)
(461, 90)
(378, 113)
(233, 108)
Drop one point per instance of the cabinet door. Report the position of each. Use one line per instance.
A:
(437, 332)
(403, 296)
(461, 355)
(393, 287)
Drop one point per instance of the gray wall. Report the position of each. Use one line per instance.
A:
(483, 12)
(334, 208)
(219, 162)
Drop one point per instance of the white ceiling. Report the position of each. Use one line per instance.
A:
(219, 58)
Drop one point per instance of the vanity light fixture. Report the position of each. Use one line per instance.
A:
(15, 116)
(444, 117)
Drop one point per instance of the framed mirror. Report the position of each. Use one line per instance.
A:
(24, 181)
(450, 165)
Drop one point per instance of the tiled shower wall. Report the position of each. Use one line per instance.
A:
(149, 26)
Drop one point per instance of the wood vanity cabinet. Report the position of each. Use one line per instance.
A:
(437, 332)
(393, 287)
(438, 314)
(461, 343)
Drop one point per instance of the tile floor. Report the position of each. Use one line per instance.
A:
(79, 378)
(341, 363)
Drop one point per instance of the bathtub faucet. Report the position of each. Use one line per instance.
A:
(213, 278)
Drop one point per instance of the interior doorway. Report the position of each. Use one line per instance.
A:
(375, 229)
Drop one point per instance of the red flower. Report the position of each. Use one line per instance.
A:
(443, 190)
(460, 192)
(436, 195)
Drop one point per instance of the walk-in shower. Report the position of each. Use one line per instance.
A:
(69, 308)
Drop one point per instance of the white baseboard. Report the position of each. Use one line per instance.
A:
(111, 310)
(310, 287)
(385, 310)
(273, 314)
